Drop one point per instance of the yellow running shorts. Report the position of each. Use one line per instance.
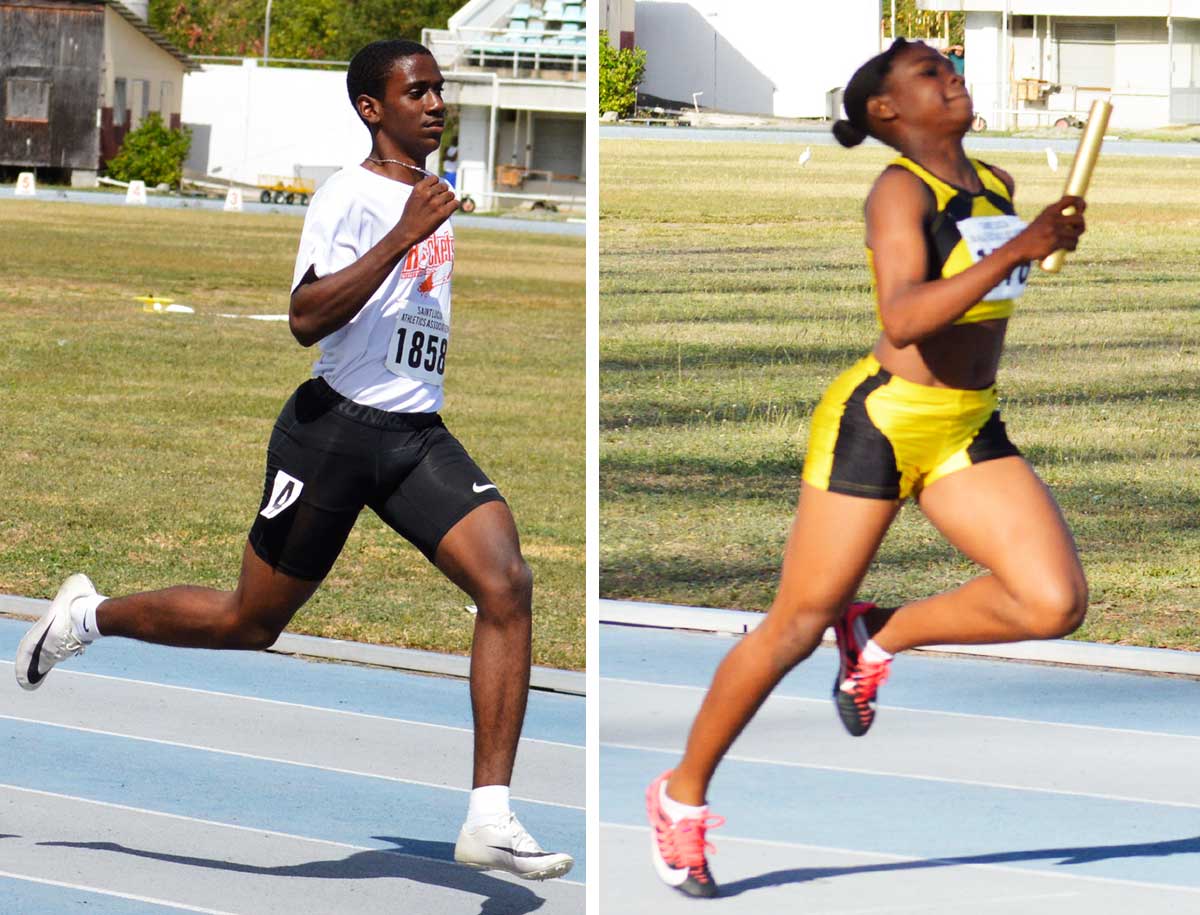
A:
(880, 437)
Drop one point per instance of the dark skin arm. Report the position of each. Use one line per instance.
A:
(321, 305)
(912, 308)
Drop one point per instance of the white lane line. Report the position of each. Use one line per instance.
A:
(938, 779)
(924, 711)
(300, 705)
(102, 892)
(944, 862)
(145, 811)
(271, 759)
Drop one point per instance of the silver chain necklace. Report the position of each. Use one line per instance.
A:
(415, 168)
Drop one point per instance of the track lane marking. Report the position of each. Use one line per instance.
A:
(923, 711)
(133, 897)
(756, 760)
(300, 705)
(947, 862)
(146, 811)
(271, 759)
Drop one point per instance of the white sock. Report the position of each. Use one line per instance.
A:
(873, 654)
(83, 618)
(677, 811)
(488, 805)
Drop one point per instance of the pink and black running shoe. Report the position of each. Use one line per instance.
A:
(857, 681)
(678, 847)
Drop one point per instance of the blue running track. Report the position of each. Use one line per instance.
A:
(142, 779)
(984, 786)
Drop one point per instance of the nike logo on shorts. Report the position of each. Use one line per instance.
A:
(477, 488)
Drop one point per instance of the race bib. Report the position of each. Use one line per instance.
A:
(983, 235)
(420, 339)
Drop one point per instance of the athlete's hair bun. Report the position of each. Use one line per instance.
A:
(847, 134)
(866, 82)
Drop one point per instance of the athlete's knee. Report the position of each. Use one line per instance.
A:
(506, 593)
(1056, 607)
(794, 633)
(243, 628)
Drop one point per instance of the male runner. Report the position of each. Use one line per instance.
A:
(372, 287)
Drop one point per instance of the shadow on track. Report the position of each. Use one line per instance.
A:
(1069, 856)
(412, 859)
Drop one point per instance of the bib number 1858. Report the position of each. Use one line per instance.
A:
(419, 355)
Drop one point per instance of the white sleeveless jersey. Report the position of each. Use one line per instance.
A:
(392, 354)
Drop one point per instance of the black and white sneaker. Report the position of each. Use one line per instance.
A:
(52, 638)
(507, 846)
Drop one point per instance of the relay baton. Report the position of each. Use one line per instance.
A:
(1081, 168)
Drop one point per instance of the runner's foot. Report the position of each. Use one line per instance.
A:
(506, 845)
(858, 680)
(678, 847)
(52, 638)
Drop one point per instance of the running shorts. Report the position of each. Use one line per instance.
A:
(881, 437)
(329, 456)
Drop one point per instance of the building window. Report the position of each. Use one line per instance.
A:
(1086, 53)
(119, 102)
(27, 100)
(164, 99)
(145, 99)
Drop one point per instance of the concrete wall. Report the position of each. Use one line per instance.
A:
(249, 121)
(617, 17)
(745, 55)
(268, 120)
(130, 55)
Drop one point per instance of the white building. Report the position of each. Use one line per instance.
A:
(754, 56)
(516, 71)
(1037, 62)
(617, 18)
(520, 104)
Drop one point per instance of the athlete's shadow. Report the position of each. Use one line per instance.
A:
(411, 859)
(1069, 856)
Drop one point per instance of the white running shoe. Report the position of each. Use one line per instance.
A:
(507, 846)
(52, 638)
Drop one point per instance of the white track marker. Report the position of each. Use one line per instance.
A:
(805, 156)
(136, 193)
(26, 185)
(1052, 159)
(233, 200)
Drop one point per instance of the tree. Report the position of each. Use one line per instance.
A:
(152, 153)
(302, 29)
(620, 73)
(916, 23)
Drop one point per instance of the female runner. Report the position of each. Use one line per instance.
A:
(918, 416)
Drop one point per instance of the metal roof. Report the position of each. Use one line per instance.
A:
(154, 35)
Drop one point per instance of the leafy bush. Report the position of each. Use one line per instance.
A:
(152, 153)
(620, 73)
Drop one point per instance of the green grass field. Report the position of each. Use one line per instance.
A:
(134, 444)
(734, 288)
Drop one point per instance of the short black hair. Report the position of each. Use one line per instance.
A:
(372, 65)
(864, 84)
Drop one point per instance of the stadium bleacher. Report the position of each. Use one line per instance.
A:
(542, 34)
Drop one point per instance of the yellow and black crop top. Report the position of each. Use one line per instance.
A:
(966, 227)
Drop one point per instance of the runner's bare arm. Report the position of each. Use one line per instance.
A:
(321, 305)
(912, 308)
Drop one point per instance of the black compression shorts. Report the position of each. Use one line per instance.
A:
(329, 456)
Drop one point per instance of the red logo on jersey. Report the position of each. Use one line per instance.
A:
(425, 258)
